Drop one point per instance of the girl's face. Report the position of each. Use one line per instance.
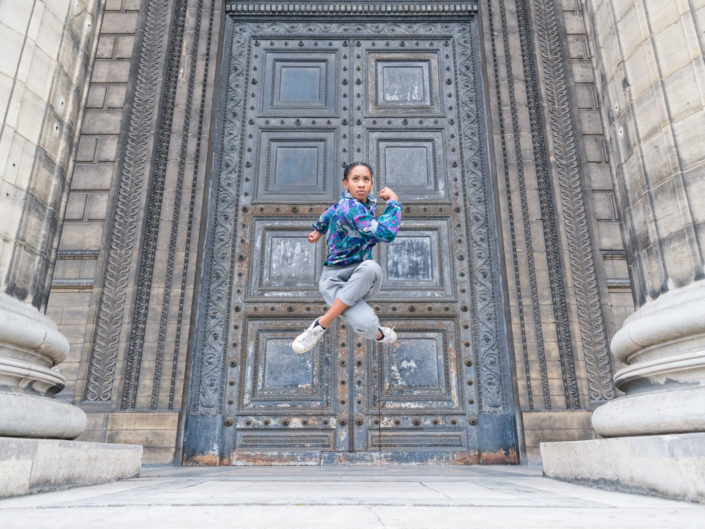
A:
(359, 182)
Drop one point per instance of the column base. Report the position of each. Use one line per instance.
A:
(30, 349)
(672, 466)
(37, 465)
(34, 416)
(654, 413)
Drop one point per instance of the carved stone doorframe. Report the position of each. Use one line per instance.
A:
(208, 416)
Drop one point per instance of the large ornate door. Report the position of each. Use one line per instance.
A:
(298, 102)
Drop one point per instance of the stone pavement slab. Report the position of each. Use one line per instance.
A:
(356, 497)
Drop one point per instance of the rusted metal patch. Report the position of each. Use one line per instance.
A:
(500, 457)
(204, 460)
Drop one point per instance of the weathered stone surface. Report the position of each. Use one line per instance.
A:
(666, 465)
(37, 465)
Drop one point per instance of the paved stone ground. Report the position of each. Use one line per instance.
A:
(355, 497)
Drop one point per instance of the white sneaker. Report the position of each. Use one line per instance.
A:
(308, 339)
(388, 335)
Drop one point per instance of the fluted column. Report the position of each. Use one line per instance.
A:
(650, 59)
(47, 56)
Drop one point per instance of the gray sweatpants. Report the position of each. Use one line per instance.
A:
(354, 284)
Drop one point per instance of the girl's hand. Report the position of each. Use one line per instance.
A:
(387, 194)
(314, 236)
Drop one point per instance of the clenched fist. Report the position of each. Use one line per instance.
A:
(314, 236)
(387, 194)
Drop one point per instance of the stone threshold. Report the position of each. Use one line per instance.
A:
(37, 465)
(670, 466)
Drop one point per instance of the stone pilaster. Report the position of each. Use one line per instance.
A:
(650, 59)
(47, 56)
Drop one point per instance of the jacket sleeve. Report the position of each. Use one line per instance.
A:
(382, 229)
(321, 225)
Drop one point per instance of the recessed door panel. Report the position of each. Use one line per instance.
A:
(298, 81)
(284, 264)
(410, 161)
(403, 82)
(295, 165)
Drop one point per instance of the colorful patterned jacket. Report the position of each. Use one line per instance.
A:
(353, 229)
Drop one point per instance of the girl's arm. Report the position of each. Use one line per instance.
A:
(321, 225)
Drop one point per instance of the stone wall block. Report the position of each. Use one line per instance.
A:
(650, 113)
(107, 149)
(106, 45)
(11, 202)
(659, 157)
(131, 5)
(633, 31)
(97, 206)
(50, 33)
(612, 57)
(102, 122)
(86, 149)
(673, 50)
(75, 207)
(48, 186)
(685, 92)
(641, 73)
(109, 71)
(40, 73)
(16, 15)
(32, 111)
(120, 23)
(82, 236)
(687, 132)
(96, 99)
(116, 96)
(41, 465)
(124, 46)
(66, 96)
(12, 50)
(92, 176)
(52, 141)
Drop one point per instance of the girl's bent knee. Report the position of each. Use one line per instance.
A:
(367, 329)
(369, 333)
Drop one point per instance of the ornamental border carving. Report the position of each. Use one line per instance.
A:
(106, 340)
(153, 218)
(580, 246)
(547, 206)
(524, 210)
(202, 121)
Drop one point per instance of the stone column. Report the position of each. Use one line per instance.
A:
(650, 59)
(47, 54)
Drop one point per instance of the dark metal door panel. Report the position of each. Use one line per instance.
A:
(289, 407)
(406, 125)
(314, 97)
